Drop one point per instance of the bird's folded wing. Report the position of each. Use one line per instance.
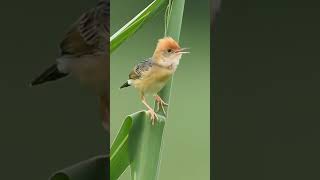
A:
(104, 13)
(89, 34)
(140, 69)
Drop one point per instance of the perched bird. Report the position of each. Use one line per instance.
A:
(84, 53)
(151, 75)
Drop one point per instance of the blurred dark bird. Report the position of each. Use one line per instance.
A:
(215, 11)
(84, 53)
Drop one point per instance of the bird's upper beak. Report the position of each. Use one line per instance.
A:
(182, 51)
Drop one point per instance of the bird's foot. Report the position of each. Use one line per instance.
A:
(160, 103)
(153, 116)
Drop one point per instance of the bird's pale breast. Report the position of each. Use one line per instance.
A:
(153, 80)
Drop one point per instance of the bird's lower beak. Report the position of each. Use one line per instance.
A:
(183, 51)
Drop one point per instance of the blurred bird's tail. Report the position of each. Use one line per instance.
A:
(126, 84)
(51, 74)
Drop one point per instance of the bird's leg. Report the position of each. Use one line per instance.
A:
(153, 115)
(161, 103)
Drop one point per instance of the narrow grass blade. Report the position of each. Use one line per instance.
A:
(132, 26)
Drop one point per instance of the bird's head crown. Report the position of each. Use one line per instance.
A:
(168, 51)
(167, 44)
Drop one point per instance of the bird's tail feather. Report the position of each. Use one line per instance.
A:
(51, 74)
(126, 84)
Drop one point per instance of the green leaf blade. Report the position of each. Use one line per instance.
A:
(119, 158)
(136, 23)
(145, 142)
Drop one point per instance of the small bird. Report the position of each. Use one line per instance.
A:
(152, 74)
(84, 52)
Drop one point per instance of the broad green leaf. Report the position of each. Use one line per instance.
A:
(145, 142)
(128, 147)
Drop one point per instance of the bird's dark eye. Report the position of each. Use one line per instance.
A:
(169, 50)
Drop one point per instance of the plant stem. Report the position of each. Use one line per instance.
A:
(173, 27)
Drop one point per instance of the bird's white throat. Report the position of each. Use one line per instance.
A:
(171, 63)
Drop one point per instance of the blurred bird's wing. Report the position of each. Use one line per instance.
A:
(89, 34)
(140, 69)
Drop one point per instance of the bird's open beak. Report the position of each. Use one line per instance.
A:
(182, 51)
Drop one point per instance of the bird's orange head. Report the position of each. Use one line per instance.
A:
(168, 52)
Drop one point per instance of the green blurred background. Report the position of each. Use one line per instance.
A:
(46, 128)
(186, 149)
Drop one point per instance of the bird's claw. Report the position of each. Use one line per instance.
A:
(153, 116)
(161, 103)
